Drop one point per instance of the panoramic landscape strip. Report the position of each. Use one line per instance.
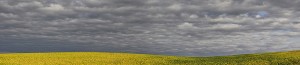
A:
(105, 58)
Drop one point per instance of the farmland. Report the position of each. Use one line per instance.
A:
(105, 58)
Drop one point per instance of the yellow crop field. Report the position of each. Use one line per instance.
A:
(103, 58)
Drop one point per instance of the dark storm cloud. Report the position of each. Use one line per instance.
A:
(173, 27)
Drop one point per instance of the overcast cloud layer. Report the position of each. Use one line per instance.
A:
(171, 27)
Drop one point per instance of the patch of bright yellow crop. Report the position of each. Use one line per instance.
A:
(98, 58)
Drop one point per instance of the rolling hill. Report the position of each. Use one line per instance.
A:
(104, 58)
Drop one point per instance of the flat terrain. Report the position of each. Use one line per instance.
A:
(102, 58)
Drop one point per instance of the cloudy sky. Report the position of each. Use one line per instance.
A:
(169, 27)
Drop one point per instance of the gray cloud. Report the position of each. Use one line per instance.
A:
(172, 27)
